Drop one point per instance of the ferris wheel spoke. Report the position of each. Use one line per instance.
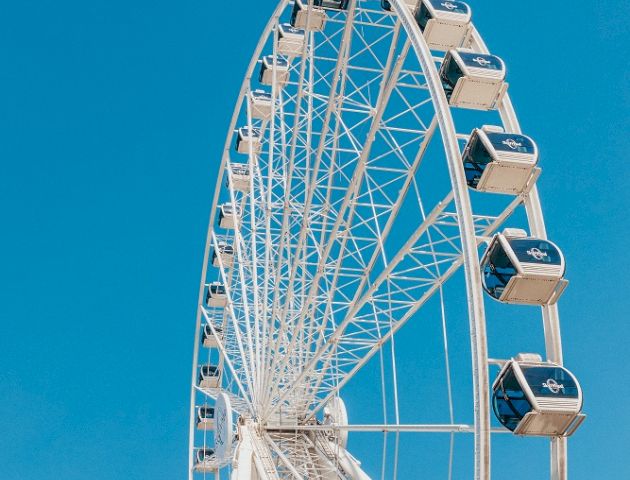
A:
(397, 205)
(341, 239)
(404, 188)
(226, 359)
(363, 324)
(247, 367)
(359, 336)
(297, 255)
(385, 427)
(310, 370)
(362, 153)
(325, 316)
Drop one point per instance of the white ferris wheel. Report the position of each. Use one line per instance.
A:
(375, 178)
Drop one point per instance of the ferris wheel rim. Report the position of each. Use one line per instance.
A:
(531, 201)
(212, 217)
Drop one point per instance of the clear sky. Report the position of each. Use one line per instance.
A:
(112, 119)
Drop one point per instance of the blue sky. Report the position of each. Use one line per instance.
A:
(112, 120)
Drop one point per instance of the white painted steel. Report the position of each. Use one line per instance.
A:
(325, 187)
(551, 317)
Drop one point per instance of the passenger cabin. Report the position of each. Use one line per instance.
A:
(532, 397)
(300, 17)
(205, 418)
(411, 4)
(205, 461)
(260, 104)
(290, 40)
(227, 214)
(226, 252)
(444, 24)
(499, 162)
(473, 80)
(317, 20)
(521, 269)
(268, 67)
(216, 295)
(247, 138)
(209, 376)
(209, 339)
(239, 175)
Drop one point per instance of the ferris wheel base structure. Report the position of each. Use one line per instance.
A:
(326, 239)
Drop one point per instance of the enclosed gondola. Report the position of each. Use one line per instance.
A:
(495, 161)
(269, 66)
(473, 80)
(205, 461)
(209, 376)
(210, 339)
(205, 418)
(299, 16)
(532, 397)
(248, 138)
(227, 215)
(521, 269)
(239, 176)
(444, 24)
(290, 40)
(216, 295)
(317, 19)
(260, 102)
(226, 252)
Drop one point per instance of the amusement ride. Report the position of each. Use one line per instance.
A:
(375, 177)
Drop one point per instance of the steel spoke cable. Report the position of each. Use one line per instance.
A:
(331, 105)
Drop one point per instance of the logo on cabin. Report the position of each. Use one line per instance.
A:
(448, 5)
(511, 143)
(536, 253)
(552, 385)
(483, 62)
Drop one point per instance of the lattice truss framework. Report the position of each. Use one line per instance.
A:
(319, 282)
(315, 288)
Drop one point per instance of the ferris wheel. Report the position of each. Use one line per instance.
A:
(375, 178)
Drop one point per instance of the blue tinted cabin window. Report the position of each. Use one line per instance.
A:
(240, 169)
(511, 142)
(478, 60)
(385, 5)
(206, 412)
(336, 4)
(261, 95)
(204, 454)
(535, 251)
(294, 13)
(244, 131)
(550, 382)
(509, 402)
(214, 291)
(280, 61)
(476, 158)
(209, 371)
(497, 271)
(423, 16)
(450, 74)
(450, 6)
(288, 28)
(207, 331)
